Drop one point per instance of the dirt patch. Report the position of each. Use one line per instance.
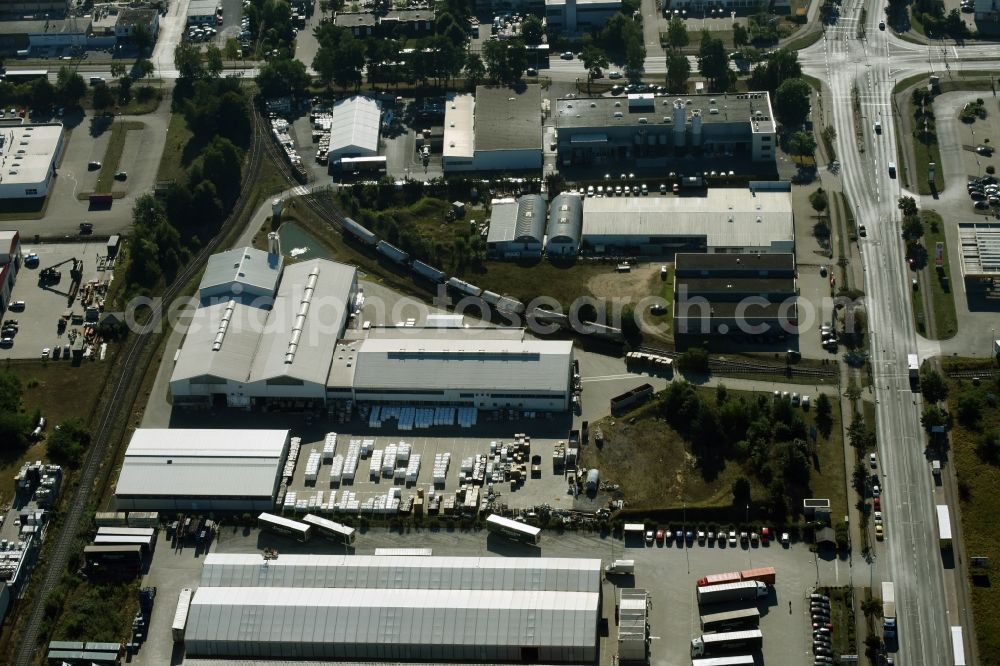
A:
(640, 282)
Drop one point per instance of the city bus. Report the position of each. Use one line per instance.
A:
(514, 530)
(292, 529)
(330, 530)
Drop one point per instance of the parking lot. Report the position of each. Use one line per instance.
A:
(37, 324)
(668, 573)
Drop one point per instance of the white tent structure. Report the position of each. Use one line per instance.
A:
(355, 128)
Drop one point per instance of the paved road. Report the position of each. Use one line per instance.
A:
(873, 66)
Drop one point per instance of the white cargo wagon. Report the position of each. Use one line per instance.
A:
(181, 614)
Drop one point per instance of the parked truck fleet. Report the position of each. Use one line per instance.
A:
(765, 575)
(728, 641)
(749, 590)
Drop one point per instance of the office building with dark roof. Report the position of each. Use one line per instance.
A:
(499, 129)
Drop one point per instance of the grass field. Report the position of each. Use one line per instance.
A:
(178, 151)
(113, 154)
(945, 318)
(656, 468)
(61, 391)
(842, 619)
(979, 490)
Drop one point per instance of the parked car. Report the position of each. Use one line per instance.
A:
(879, 532)
(881, 25)
(649, 537)
(659, 537)
(614, 74)
(45, 352)
(872, 461)
(567, 55)
(732, 537)
(121, 175)
(16, 306)
(6, 343)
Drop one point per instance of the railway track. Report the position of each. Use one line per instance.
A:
(121, 399)
(985, 373)
(748, 367)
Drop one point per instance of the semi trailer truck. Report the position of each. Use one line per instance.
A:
(749, 590)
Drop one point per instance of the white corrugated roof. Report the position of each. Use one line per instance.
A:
(478, 361)
(218, 463)
(503, 221)
(355, 125)
(302, 348)
(27, 153)
(231, 359)
(459, 118)
(263, 615)
(375, 571)
(729, 217)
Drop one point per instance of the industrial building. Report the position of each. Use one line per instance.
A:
(699, 7)
(645, 131)
(201, 12)
(413, 22)
(517, 228)
(500, 129)
(130, 18)
(10, 264)
(565, 228)
(980, 247)
(354, 128)
(987, 15)
(573, 16)
(276, 350)
(28, 158)
(378, 608)
(485, 368)
(719, 294)
(201, 470)
(721, 220)
(245, 274)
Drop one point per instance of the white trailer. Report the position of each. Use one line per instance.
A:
(736, 660)
(944, 526)
(181, 614)
(913, 364)
(958, 646)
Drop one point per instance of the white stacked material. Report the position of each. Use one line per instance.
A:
(413, 468)
(375, 418)
(347, 501)
(329, 446)
(319, 499)
(351, 460)
(293, 455)
(424, 417)
(301, 505)
(367, 446)
(399, 474)
(375, 464)
(337, 470)
(467, 463)
(331, 504)
(403, 452)
(389, 460)
(312, 466)
(289, 501)
(311, 503)
(441, 463)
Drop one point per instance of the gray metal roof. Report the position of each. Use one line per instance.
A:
(242, 266)
(726, 217)
(305, 321)
(508, 118)
(565, 219)
(264, 620)
(431, 573)
(503, 221)
(475, 361)
(355, 125)
(733, 264)
(206, 354)
(531, 214)
(218, 463)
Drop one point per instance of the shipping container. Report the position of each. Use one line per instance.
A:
(181, 614)
(143, 518)
(392, 252)
(292, 529)
(126, 531)
(359, 232)
(111, 519)
(744, 618)
(513, 529)
(435, 275)
(145, 542)
(331, 530)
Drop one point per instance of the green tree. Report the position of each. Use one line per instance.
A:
(677, 34)
(913, 227)
(908, 206)
(595, 60)
(42, 93)
(143, 69)
(933, 416)
(232, 49)
(187, 59)
(532, 30)
(802, 144)
(970, 408)
(67, 444)
(213, 61)
(70, 87)
(694, 359)
(635, 54)
(118, 70)
(125, 89)
(103, 99)
(713, 61)
(283, 76)
(14, 424)
(781, 66)
(517, 60)
(741, 491)
(791, 102)
(819, 200)
(221, 163)
(933, 386)
(741, 37)
(872, 607)
(678, 71)
(824, 415)
(495, 59)
(475, 71)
